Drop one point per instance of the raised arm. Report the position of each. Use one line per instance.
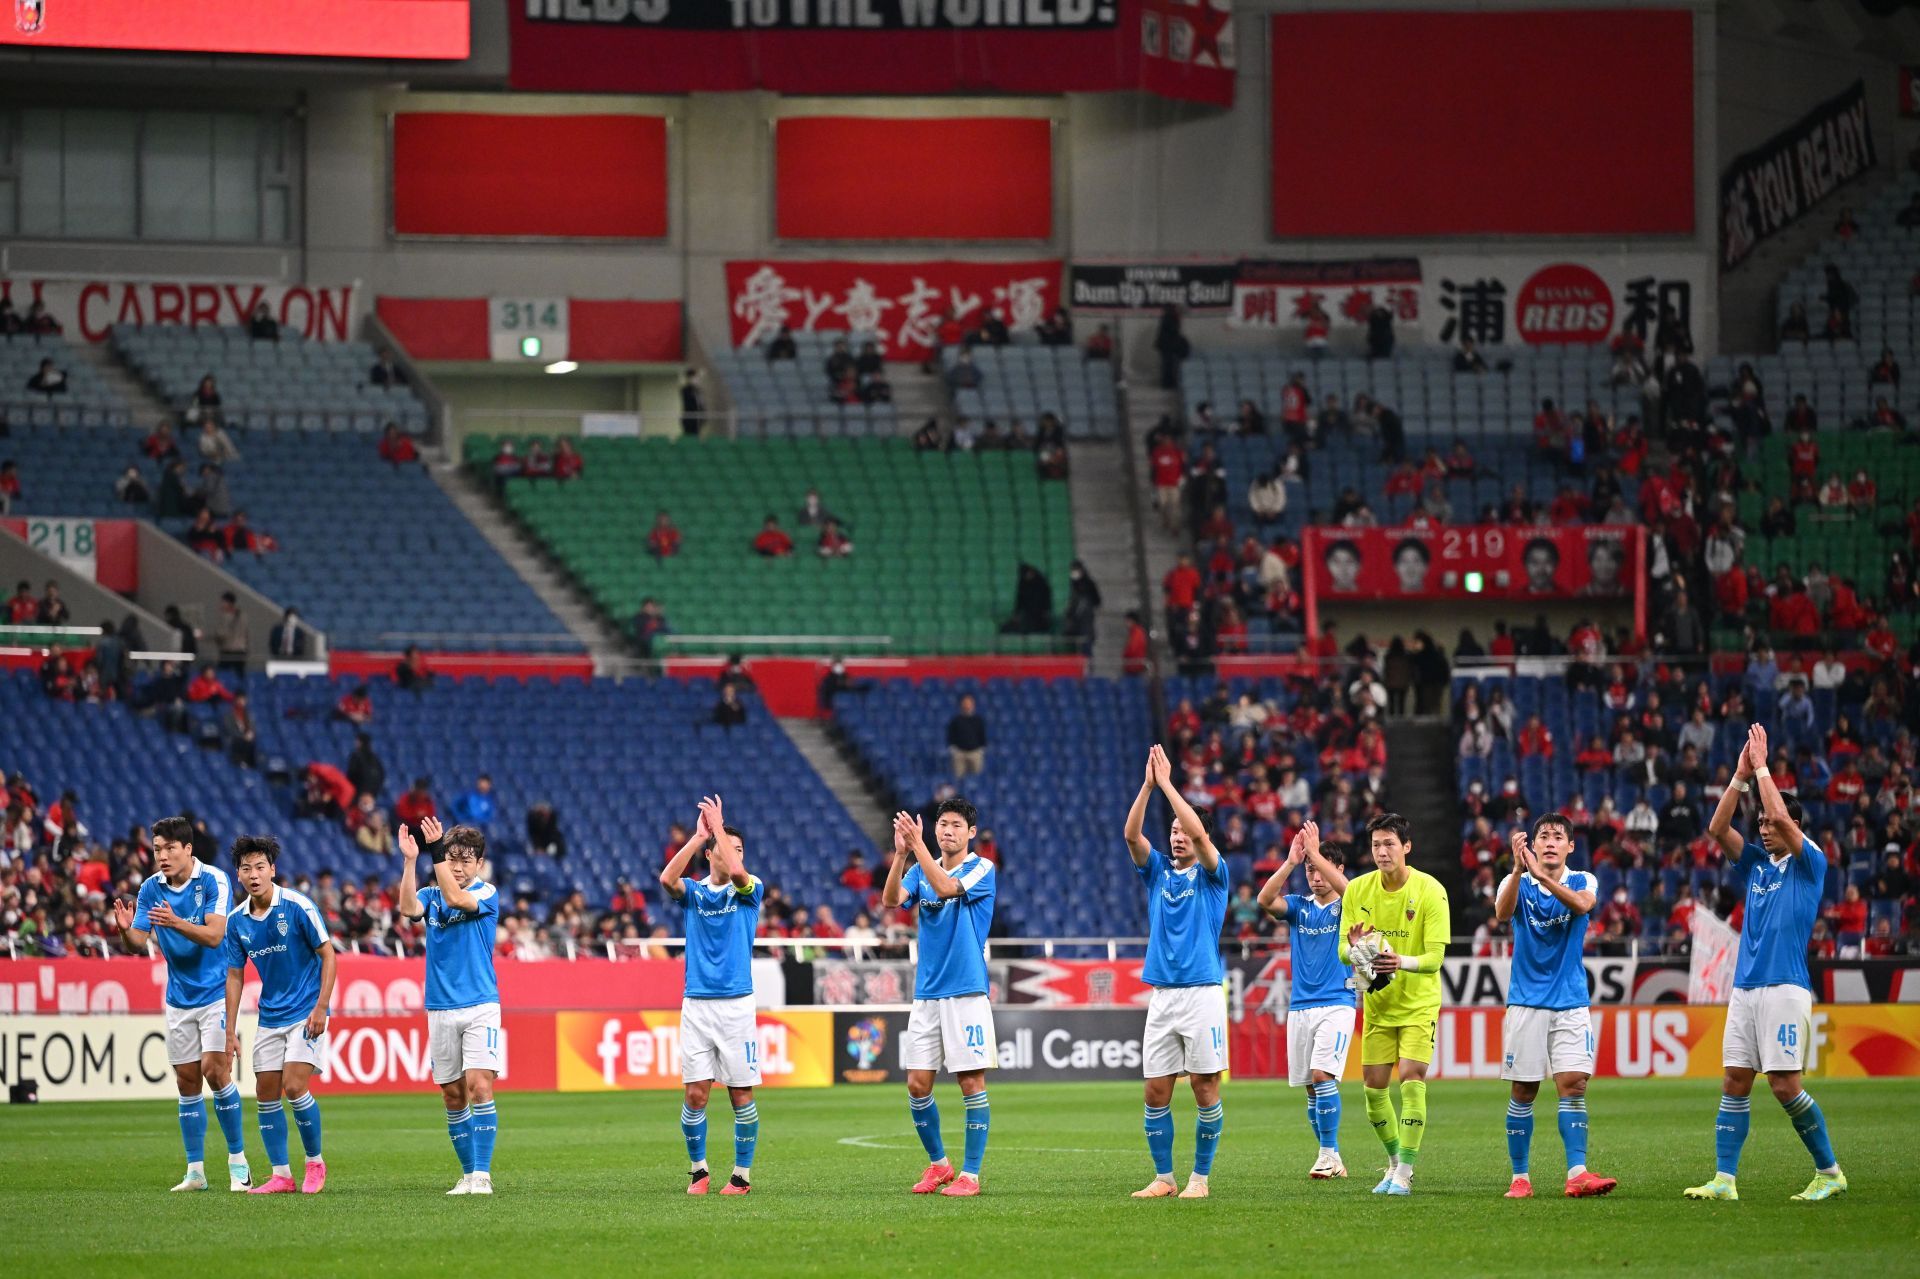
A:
(1720, 826)
(942, 884)
(732, 867)
(1772, 803)
(409, 903)
(1137, 845)
(132, 940)
(1507, 900)
(893, 896)
(1310, 845)
(456, 897)
(1183, 811)
(676, 868)
(1273, 894)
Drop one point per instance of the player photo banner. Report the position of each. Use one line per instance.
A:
(1180, 49)
(1456, 561)
(629, 1051)
(1142, 288)
(904, 303)
(1769, 188)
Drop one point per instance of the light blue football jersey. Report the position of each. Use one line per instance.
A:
(1782, 902)
(196, 974)
(1548, 937)
(953, 930)
(460, 949)
(284, 946)
(1185, 910)
(720, 924)
(1320, 980)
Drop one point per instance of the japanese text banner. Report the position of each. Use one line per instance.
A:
(905, 303)
(1435, 563)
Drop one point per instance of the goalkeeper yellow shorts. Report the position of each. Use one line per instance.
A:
(1385, 1045)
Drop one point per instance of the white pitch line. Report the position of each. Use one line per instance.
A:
(874, 1143)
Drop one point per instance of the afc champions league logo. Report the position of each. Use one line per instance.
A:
(29, 16)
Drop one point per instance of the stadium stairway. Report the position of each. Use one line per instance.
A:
(146, 407)
(814, 739)
(1146, 404)
(1106, 538)
(1422, 786)
(918, 396)
(533, 566)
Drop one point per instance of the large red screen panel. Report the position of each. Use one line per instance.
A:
(569, 176)
(303, 28)
(858, 178)
(1530, 123)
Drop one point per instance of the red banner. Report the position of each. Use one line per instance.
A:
(1476, 559)
(1180, 49)
(871, 178)
(904, 302)
(88, 309)
(367, 985)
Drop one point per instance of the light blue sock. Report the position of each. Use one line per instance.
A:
(1206, 1135)
(306, 1116)
(1326, 1109)
(273, 1132)
(486, 1127)
(1730, 1132)
(193, 1128)
(1520, 1135)
(460, 1129)
(226, 1108)
(693, 1126)
(1573, 1130)
(1160, 1139)
(926, 1122)
(746, 1135)
(979, 1119)
(1804, 1111)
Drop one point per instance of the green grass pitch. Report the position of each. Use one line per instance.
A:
(595, 1184)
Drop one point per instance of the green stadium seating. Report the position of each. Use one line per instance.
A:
(938, 540)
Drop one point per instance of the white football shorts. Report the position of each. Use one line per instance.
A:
(954, 1034)
(463, 1039)
(1186, 1031)
(194, 1032)
(1543, 1042)
(275, 1049)
(1318, 1039)
(1769, 1028)
(720, 1040)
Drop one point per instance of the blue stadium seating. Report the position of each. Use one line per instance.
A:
(87, 401)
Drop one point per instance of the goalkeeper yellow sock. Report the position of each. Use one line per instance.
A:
(1380, 1115)
(1413, 1118)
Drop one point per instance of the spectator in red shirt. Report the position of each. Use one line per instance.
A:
(397, 449)
(664, 540)
(23, 609)
(1730, 592)
(855, 874)
(1862, 493)
(206, 687)
(1881, 641)
(328, 792)
(1535, 740)
(1596, 758)
(1794, 614)
(833, 543)
(1182, 584)
(1218, 526)
(1881, 942)
(416, 805)
(1133, 657)
(355, 707)
(1850, 917)
(1169, 466)
(1296, 407)
(773, 541)
(1847, 784)
(506, 466)
(567, 462)
(987, 847)
(239, 535)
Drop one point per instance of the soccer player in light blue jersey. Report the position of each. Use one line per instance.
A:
(1770, 1016)
(1548, 1028)
(282, 933)
(1187, 1013)
(719, 1025)
(462, 912)
(183, 907)
(951, 1025)
(1320, 1000)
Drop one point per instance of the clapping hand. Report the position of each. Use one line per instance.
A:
(409, 847)
(1159, 767)
(123, 913)
(1522, 853)
(430, 829)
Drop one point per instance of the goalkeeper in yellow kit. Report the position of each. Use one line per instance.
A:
(1394, 929)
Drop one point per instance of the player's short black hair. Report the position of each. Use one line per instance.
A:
(1337, 852)
(1795, 813)
(967, 812)
(1552, 819)
(1543, 544)
(1206, 822)
(178, 830)
(245, 846)
(1608, 545)
(1394, 824)
(1344, 544)
(471, 838)
(1417, 546)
